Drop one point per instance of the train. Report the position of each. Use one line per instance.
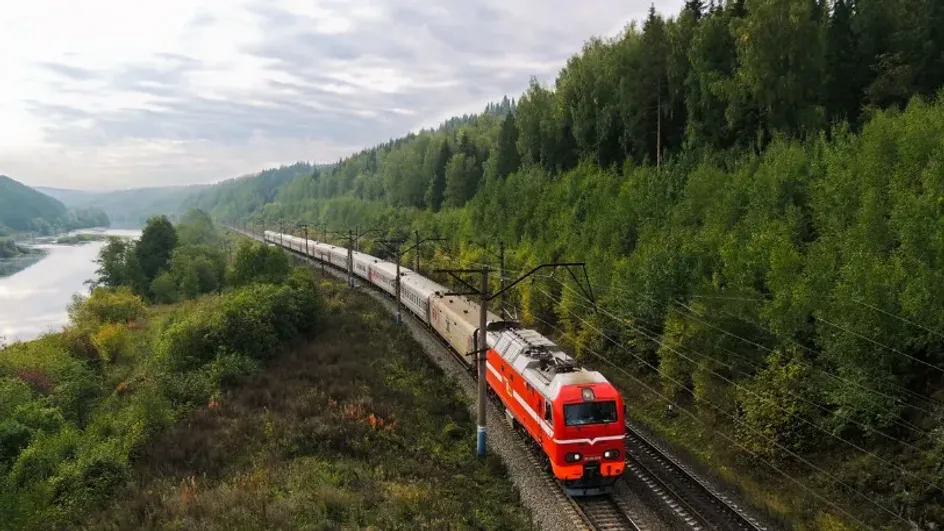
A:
(573, 416)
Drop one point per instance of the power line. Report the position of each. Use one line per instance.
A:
(902, 319)
(903, 389)
(800, 418)
(704, 423)
(741, 423)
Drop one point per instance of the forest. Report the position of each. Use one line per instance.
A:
(755, 187)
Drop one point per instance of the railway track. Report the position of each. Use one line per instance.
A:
(694, 501)
(605, 514)
(691, 498)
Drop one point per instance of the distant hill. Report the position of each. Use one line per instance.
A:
(69, 197)
(128, 208)
(24, 209)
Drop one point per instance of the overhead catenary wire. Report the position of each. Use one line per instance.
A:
(903, 389)
(795, 416)
(902, 319)
(898, 421)
(701, 421)
(749, 428)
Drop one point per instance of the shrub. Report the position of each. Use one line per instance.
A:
(189, 341)
(776, 407)
(41, 459)
(111, 341)
(13, 393)
(14, 437)
(39, 417)
(259, 263)
(90, 480)
(106, 305)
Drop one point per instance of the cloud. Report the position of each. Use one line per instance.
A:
(115, 95)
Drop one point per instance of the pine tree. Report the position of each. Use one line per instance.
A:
(508, 160)
(437, 186)
(844, 81)
(656, 50)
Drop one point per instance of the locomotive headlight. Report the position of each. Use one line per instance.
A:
(573, 457)
(611, 454)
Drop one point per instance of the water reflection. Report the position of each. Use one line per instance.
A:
(33, 301)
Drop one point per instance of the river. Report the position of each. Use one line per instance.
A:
(33, 301)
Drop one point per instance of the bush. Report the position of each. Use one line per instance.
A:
(189, 342)
(41, 459)
(13, 393)
(106, 305)
(259, 263)
(14, 437)
(777, 408)
(91, 479)
(40, 418)
(111, 341)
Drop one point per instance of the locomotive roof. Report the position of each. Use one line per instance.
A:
(541, 362)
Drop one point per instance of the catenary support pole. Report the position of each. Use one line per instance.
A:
(399, 318)
(482, 348)
(350, 260)
(416, 259)
(307, 254)
(501, 276)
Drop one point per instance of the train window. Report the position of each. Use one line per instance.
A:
(547, 413)
(590, 413)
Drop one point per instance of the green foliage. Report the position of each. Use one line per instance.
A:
(167, 263)
(196, 228)
(258, 263)
(164, 288)
(77, 408)
(106, 305)
(155, 247)
(777, 414)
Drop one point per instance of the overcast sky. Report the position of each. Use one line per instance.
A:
(110, 94)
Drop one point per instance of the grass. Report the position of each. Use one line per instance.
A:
(355, 429)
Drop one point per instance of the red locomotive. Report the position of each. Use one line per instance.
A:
(574, 415)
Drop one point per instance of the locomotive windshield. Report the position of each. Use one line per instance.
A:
(590, 413)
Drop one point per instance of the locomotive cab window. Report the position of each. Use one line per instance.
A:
(590, 413)
(547, 413)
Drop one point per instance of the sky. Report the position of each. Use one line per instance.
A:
(117, 94)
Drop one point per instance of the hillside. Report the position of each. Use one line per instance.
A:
(128, 209)
(755, 189)
(25, 209)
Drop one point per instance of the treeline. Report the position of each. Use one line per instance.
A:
(77, 408)
(713, 79)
